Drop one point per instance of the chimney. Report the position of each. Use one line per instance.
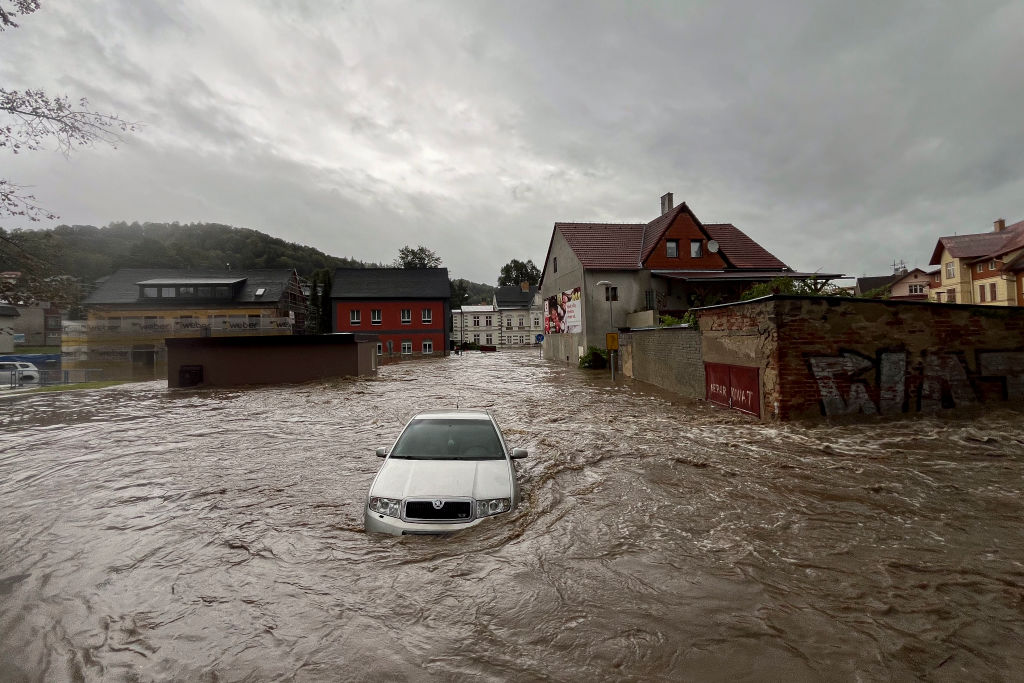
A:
(999, 224)
(525, 286)
(666, 203)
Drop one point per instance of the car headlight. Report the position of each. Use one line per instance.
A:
(386, 506)
(486, 508)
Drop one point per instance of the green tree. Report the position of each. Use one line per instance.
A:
(516, 272)
(460, 292)
(420, 257)
(787, 285)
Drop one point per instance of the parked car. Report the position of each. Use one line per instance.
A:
(17, 373)
(447, 471)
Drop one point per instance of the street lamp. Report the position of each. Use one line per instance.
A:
(608, 293)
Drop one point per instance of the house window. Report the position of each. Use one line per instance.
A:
(487, 322)
(521, 322)
(696, 248)
(489, 339)
(938, 297)
(407, 317)
(950, 270)
(380, 349)
(992, 264)
(536, 322)
(428, 346)
(476, 338)
(917, 289)
(672, 248)
(406, 348)
(554, 264)
(649, 299)
(981, 267)
(150, 291)
(981, 292)
(611, 293)
(992, 291)
(508, 323)
(426, 316)
(476, 321)
(355, 317)
(376, 316)
(951, 296)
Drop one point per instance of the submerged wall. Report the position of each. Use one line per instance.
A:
(668, 357)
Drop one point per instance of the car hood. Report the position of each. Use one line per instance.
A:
(479, 479)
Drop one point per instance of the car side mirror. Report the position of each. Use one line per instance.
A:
(382, 452)
(518, 453)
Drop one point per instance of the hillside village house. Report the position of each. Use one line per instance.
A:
(666, 266)
(982, 268)
(408, 308)
(514, 318)
(134, 310)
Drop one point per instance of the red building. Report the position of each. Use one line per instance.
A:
(408, 308)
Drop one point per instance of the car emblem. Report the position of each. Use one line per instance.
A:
(438, 504)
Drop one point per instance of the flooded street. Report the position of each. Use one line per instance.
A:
(148, 534)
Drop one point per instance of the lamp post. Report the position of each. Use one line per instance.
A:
(608, 293)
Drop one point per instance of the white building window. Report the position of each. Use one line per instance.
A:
(476, 338)
(981, 267)
(508, 324)
(380, 349)
(406, 348)
(375, 316)
(355, 317)
(487, 321)
(476, 321)
(489, 339)
(427, 316)
(407, 317)
(950, 270)
(521, 322)
(992, 264)
(672, 248)
(536, 322)
(428, 346)
(696, 248)
(917, 289)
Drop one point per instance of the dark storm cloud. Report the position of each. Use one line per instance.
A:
(840, 135)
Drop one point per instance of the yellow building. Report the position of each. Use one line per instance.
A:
(133, 311)
(984, 268)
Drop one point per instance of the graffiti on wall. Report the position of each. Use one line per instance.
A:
(898, 382)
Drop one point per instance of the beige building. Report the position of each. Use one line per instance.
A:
(984, 268)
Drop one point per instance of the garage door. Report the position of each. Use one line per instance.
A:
(733, 386)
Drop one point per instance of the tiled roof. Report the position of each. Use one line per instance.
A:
(123, 286)
(983, 245)
(605, 246)
(866, 284)
(739, 250)
(656, 228)
(514, 296)
(391, 283)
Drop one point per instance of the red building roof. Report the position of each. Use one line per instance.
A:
(983, 245)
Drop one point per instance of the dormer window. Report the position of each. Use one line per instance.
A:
(696, 248)
(672, 248)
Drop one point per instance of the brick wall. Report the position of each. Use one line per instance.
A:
(838, 356)
(668, 357)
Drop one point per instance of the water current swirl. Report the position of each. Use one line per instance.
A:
(148, 534)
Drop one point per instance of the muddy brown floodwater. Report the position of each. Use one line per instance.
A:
(148, 534)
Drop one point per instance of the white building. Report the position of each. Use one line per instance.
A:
(514, 318)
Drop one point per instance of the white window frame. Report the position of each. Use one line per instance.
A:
(476, 338)
(696, 248)
(951, 270)
(380, 349)
(916, 288)
(428, 346)
(992, 264)
(489, 339)
(476, 321)
(426, 316)
(488, 321)
(355, 317)
(407, 348)
(376, 316)
(407, 316)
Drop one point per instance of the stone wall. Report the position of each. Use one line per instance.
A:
(836, 356)
(668, 357)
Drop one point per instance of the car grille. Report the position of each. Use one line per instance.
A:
(451, 510)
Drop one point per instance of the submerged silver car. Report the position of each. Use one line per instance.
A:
(448, 471)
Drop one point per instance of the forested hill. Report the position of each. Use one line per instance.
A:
(89, 253)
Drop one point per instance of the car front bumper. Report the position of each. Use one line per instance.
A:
(376, 523)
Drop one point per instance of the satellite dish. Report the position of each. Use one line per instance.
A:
(713, 246)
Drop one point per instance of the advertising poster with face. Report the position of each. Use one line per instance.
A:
(562, 313)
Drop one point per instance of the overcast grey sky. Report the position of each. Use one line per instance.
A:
(839, 135)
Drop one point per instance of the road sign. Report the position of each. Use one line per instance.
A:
(540, 338)
(611, 341)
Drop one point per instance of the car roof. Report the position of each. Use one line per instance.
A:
(453, 415)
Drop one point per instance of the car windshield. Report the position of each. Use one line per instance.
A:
(445, 439)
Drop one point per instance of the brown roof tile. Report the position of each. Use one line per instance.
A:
(741, 251)
(605, 246)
